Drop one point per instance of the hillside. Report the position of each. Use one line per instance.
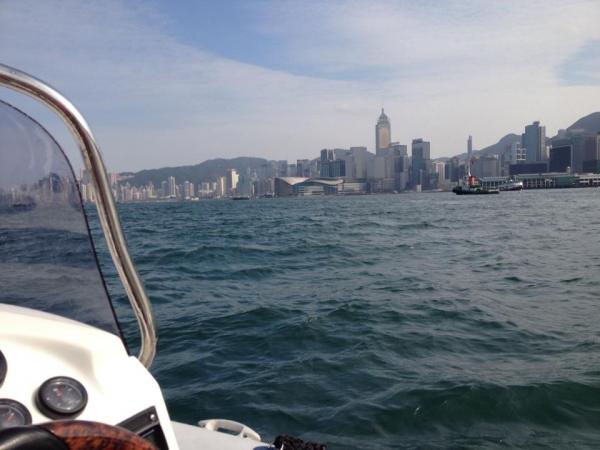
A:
(589, 123)
(496, 148)
(206, 171)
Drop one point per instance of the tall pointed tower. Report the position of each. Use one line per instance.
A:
(469, 154)
(383, 133)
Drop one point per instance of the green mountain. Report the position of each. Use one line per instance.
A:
(206, 171)
(589, 123)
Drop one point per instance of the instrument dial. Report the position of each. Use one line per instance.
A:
(13, 414)
(61, 397)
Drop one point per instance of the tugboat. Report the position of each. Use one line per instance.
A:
(470, 186)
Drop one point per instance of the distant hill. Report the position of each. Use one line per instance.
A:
(494, 149)
(589, 123)
(206, 171)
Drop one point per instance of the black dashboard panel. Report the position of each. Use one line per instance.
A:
(146, 424)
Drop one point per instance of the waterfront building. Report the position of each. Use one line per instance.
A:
(301, 186)
(383, 133)
(534, 141)
(561, 158)
(591, 166)
(528, 168)
(318, 186)
(585, 151)
(283, 186)
(591, 155)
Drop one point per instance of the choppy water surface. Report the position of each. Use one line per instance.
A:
(376, 322)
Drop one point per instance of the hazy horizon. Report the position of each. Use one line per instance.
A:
(166, 84)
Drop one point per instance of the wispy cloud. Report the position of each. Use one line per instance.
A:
(442, 72)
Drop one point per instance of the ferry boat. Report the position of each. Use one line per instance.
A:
(470, 186)
(67, 375)
(511, 185)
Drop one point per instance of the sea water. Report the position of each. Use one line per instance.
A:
(378, 322)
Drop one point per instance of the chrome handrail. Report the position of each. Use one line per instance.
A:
(105, 203)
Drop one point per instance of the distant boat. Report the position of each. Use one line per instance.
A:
(241, 197)
(511, 185)
(470, 186)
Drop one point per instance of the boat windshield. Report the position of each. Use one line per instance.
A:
(47, 258)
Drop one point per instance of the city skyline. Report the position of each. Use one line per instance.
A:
(281, 80)
(534, 133)
(570, 159)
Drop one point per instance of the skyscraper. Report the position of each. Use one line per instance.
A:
(420, 150)
(383, 133)
(534, 141)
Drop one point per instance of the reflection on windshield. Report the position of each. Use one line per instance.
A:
(47, 261)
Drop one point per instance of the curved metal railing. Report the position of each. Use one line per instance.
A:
(105, 203)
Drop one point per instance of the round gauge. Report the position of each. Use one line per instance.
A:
(13, 414)
(61, 397)
(3, 368)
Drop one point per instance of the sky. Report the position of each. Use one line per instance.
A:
(167, 83)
